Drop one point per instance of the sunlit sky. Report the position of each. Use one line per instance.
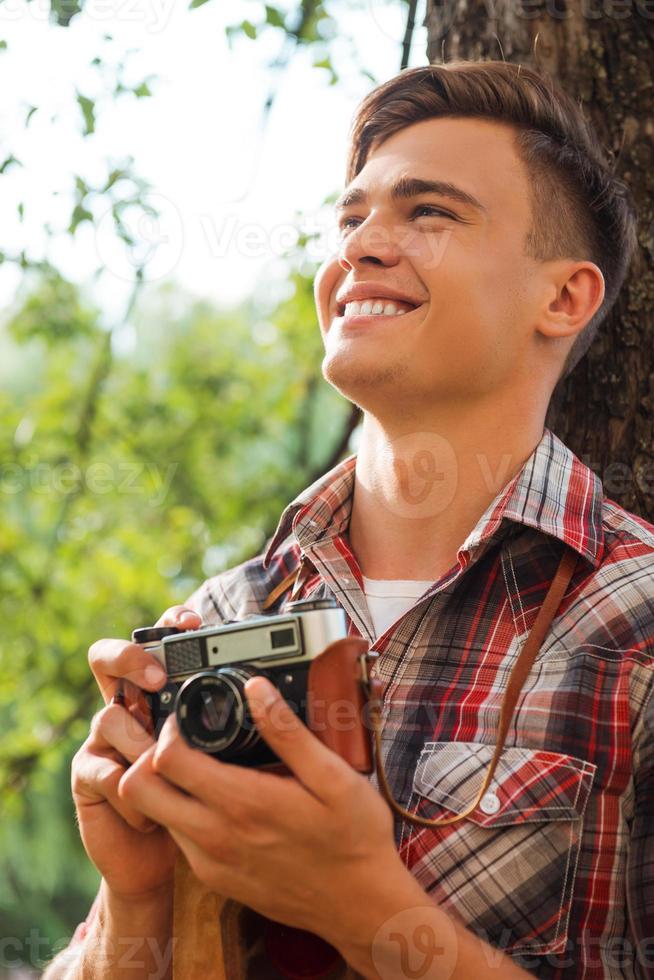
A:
(229, 190)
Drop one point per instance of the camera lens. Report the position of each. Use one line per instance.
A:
(213, 715)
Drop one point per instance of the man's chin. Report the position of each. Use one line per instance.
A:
(363, 384)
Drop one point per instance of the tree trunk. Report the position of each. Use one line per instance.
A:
(602, 53)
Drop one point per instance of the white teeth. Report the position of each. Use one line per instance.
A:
(374, 307)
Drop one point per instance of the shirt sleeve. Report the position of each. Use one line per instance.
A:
(640, 869)
(204, 602)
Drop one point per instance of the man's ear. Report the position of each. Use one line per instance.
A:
(576, 293)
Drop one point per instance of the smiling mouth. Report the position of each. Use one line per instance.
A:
(374, 307)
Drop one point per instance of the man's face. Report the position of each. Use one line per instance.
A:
(465, 293)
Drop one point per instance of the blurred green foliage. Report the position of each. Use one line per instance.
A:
(133, 465)
(134, 462)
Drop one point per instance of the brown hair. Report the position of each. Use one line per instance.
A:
(594, 217)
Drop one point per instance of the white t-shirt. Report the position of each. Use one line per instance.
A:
(388, 599)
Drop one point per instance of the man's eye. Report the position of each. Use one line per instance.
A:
(430, 210)
(346, 223)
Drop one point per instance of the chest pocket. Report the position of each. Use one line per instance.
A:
(508, 869)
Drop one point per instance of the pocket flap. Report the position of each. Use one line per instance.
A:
(529, 785)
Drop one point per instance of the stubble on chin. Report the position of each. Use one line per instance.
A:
(355, 380)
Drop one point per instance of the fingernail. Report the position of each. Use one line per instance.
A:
(262, 691)
(154, 674)
(187, 617)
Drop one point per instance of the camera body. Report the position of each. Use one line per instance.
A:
(305, 652)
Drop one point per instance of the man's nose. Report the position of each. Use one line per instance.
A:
(370, 243)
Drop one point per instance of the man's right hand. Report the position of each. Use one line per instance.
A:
(135, 857)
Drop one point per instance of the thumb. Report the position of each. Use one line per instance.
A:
(297, 747)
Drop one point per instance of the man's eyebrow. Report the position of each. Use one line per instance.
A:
(407, 187)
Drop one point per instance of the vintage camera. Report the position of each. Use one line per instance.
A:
(305, 652)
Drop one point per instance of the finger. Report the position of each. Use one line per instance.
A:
(219, 870)
(116, 728)
(319, 769)
(147, 792)
(95, 780)
(112, 659)
(226, 788)
(180, 616)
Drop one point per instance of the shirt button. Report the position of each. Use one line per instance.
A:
(489, 803)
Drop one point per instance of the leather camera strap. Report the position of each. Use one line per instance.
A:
(517, 678)
(281, 588)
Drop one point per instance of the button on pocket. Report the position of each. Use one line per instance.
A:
(489, 803)
(508, 869)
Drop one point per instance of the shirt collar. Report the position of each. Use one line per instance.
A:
(321, 511)
(554, 493)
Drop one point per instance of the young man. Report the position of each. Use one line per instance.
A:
(484, 240)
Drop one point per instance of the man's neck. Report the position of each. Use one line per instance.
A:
(420, 489)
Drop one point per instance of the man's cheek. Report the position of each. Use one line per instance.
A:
(328, 278)
(426, 251)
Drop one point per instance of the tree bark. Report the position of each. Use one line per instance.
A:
(602, 53)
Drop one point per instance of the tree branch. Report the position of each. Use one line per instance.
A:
(408, 33)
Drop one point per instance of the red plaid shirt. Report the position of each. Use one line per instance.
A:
(556, 865)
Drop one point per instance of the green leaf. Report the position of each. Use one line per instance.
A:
(21, 211)
(114, 176)
(249, 29)
(327, 65)
(30, 112)
(88, 112)
(9, 162)
(79, 215)
(3, 45)
(274, 17)
(63, 11)
(142, 91)
(230, 31)
(196, 3)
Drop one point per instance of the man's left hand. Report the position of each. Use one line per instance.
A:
(313, 850)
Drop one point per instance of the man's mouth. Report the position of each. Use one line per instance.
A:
(374, 307)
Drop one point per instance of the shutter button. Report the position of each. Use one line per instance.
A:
(489, 803)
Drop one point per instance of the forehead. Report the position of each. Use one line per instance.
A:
(477, 155)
